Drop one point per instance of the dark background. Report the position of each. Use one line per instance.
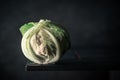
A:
(93, 27)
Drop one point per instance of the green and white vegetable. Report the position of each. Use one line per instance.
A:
(44, 42)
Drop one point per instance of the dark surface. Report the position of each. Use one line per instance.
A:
(73, 65)
(99, 61)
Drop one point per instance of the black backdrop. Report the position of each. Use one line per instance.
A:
(92, 25)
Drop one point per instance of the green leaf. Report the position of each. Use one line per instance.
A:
(23, 29)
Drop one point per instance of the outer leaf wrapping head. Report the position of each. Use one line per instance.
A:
(53, 37)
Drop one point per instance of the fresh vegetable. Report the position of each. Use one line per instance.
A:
(44, 42)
